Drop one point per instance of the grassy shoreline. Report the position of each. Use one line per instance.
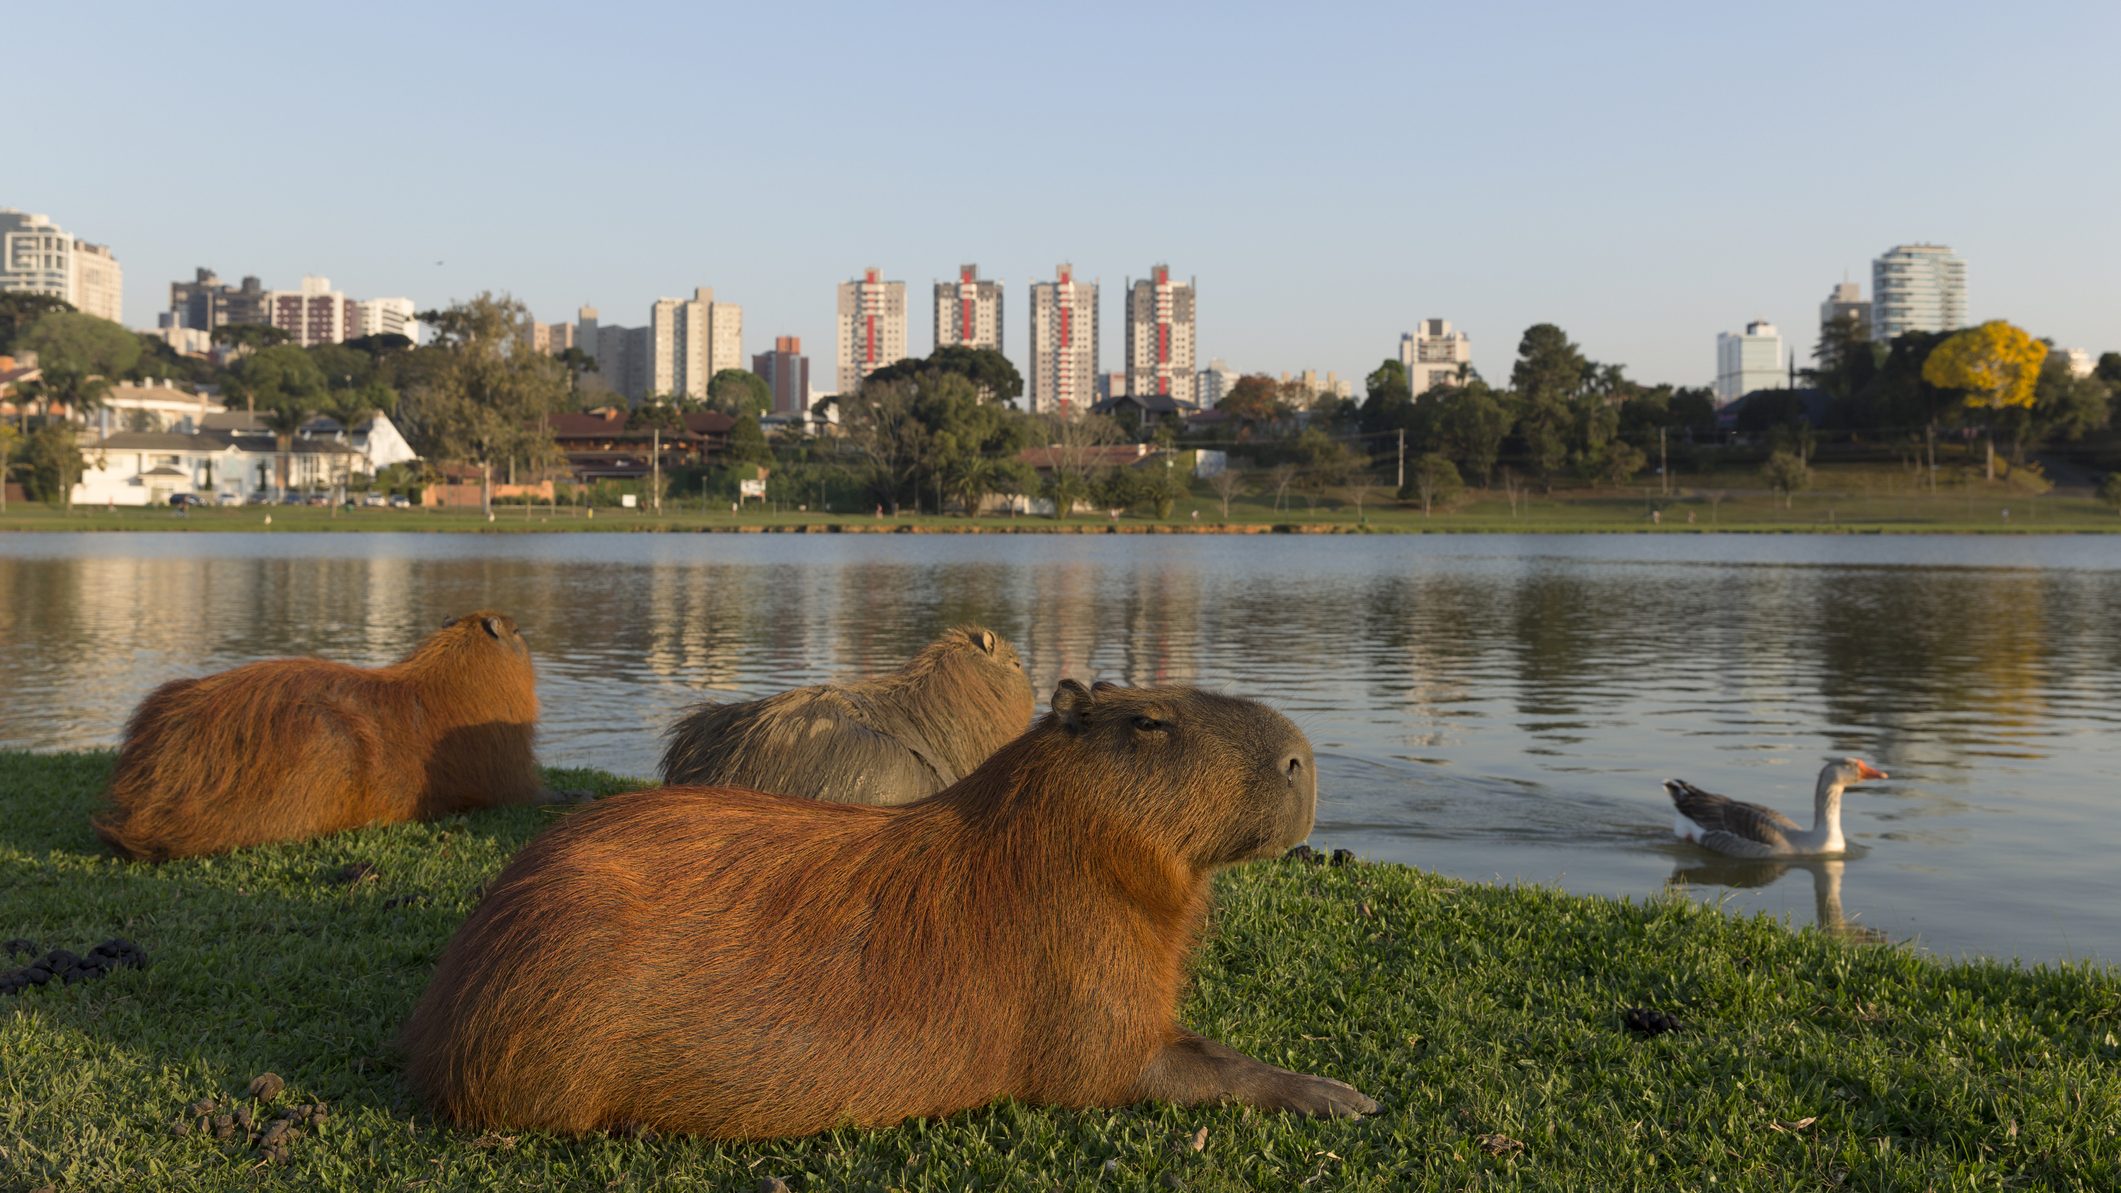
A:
(1487, 1019)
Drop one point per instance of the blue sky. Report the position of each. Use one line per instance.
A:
(1645, 175)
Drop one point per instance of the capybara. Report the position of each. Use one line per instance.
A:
(287, 749)
(740, 965)
(889, 740)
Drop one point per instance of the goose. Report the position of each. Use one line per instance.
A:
(1740, 829)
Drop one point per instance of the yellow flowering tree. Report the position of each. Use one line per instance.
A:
(1997, 367)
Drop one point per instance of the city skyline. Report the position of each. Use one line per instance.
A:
(1590, 196)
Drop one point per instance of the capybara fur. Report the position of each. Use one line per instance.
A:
(287, 749)
(889, 740)
(740, 965)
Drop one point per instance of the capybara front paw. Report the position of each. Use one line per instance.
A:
(1303, 1093)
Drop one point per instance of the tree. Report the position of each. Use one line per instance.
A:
(1324, 462)
(285, 419)
(488, 397)
(8, 436)
(276, 377)
(657, 413)
(2065, 406)
(249, 337)
(1617, 462)
(1253, 398)
(1435, 480)
(740, 394)
(2109, 368)
(1157, 488)
(1548, 376)
(1471, 421)
(747, 443)
(52, 464)
(1280, 477)
(879, 424)
(19, 311)
(1786, 473)
(1387, 397)
(79, 356)
(1848, 359)
(1229, 484)
(991, 374)
(1074, 451)
(1995, 365)
(2110, 491)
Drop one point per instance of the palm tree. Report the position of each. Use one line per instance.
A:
(284, 421)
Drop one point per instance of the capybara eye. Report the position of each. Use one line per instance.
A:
(1148, 724)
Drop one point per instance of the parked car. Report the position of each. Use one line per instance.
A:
(319, 499)
(401, 502)
(185, 501)
(376, 500)
(229, 499)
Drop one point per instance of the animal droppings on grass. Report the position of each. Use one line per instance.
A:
(1646, 1022)
(352, 873)
(1498, 1144)
(266, 1086)
(66, 967)
(1200, 1140)
(771, 1184)
(19, 947)
(1303, 854)
(1342, 857)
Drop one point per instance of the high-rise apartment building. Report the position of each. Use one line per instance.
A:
(1063, 377)
(1846, 302)
(786, 371)
(1748, 361)
(1160, 337)
(968, 311)
(1917, 287)
(690, 340)
(1216, 381)
(39, 257)
(549, 338)
(313, 314)
(872, 319)
(385, 317)
(1434, 354)
(205, 302)
(621, 353)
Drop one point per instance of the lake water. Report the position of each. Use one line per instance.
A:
(1484, 706)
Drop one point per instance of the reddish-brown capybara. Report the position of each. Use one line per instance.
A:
(740, 965)
(287, 749)
(889, 740)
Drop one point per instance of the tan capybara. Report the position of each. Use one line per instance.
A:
(889, 740)
(739, 965)
(288, 749)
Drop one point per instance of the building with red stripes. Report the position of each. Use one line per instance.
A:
(1160, 339)
(1063, 374)
(968, 311)
(872, 327)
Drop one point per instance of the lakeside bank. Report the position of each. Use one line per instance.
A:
(1487, 1019)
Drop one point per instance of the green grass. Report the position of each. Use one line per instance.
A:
(1483, 1017)
(1848, 498)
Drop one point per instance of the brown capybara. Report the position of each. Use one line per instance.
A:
(889, 740)
(287, 749)
(740, 965)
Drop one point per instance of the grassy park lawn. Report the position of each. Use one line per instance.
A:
(1486, 1019)
(1843, 497)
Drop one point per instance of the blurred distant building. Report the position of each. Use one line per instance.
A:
(1161, 336)
(1215, 382)
(786, 371)
(313, 314)
(968, 311)
(1434, 355)
(206, 302)
(690, 340)
(1846, 302)
(1063, 377)
(39, 257)
(1748, 361)
(386, 317)
(550, 338)
(872, 327)
(1917, 287)
(621, 353)
(2080, 361)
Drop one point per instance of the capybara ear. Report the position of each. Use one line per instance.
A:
(1070, 701)
(987, 641)
(492, 624)
(1104, 685)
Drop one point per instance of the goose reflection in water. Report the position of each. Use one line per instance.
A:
(1746, 874)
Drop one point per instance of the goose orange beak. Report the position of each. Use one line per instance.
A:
(1865, 770)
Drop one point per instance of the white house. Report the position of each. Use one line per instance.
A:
(150, 467)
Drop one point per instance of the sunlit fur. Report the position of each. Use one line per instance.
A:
(294, 748)
(889, 740)
(741, 965)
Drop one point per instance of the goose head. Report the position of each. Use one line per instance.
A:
(1848, 772)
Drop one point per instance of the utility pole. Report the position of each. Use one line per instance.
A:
(1402, 458)
(655, 457)
(1664, 474)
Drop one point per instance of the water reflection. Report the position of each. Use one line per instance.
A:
(1828, 914)
(1486, 706)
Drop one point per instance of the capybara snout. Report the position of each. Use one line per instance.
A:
(1216, 759)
